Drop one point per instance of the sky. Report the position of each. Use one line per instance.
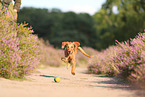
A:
(88, 6)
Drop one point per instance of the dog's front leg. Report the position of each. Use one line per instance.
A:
(64, 59)
(68, 65)
(73, 67)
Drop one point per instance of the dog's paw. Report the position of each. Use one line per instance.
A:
(63, 59)
(73, 73)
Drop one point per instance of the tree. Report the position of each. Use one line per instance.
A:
(37, 18)
(125, 24)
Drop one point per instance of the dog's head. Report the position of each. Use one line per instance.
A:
(70, 46)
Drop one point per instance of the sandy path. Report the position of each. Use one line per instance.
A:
(41, 84)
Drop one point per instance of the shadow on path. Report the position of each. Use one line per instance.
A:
(114, 83)
(47, 76)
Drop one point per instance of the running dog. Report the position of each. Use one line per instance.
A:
(70, 50)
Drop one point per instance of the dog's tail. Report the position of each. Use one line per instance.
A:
(84, 52)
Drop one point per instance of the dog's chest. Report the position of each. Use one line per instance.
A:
(70, 57)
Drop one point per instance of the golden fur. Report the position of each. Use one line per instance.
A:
(70, 50)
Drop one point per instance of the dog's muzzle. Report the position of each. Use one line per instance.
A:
(69, 52)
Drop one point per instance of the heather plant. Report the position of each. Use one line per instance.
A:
(49, 55)
(19, 49)
(102, 62)
(131, 58)
(126, 60)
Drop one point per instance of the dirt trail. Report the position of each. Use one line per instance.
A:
(41, 84)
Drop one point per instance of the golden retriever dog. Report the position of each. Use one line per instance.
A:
(70, 50)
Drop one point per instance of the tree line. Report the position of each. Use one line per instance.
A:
(98, 31)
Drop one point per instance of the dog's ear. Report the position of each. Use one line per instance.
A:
(77, 44)
(63, 44)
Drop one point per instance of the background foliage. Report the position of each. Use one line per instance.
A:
(122, 24)
(98, 31)
(57, 26)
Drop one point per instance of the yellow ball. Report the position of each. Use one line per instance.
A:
(57, 79)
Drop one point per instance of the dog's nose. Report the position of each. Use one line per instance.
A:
(69, 52)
